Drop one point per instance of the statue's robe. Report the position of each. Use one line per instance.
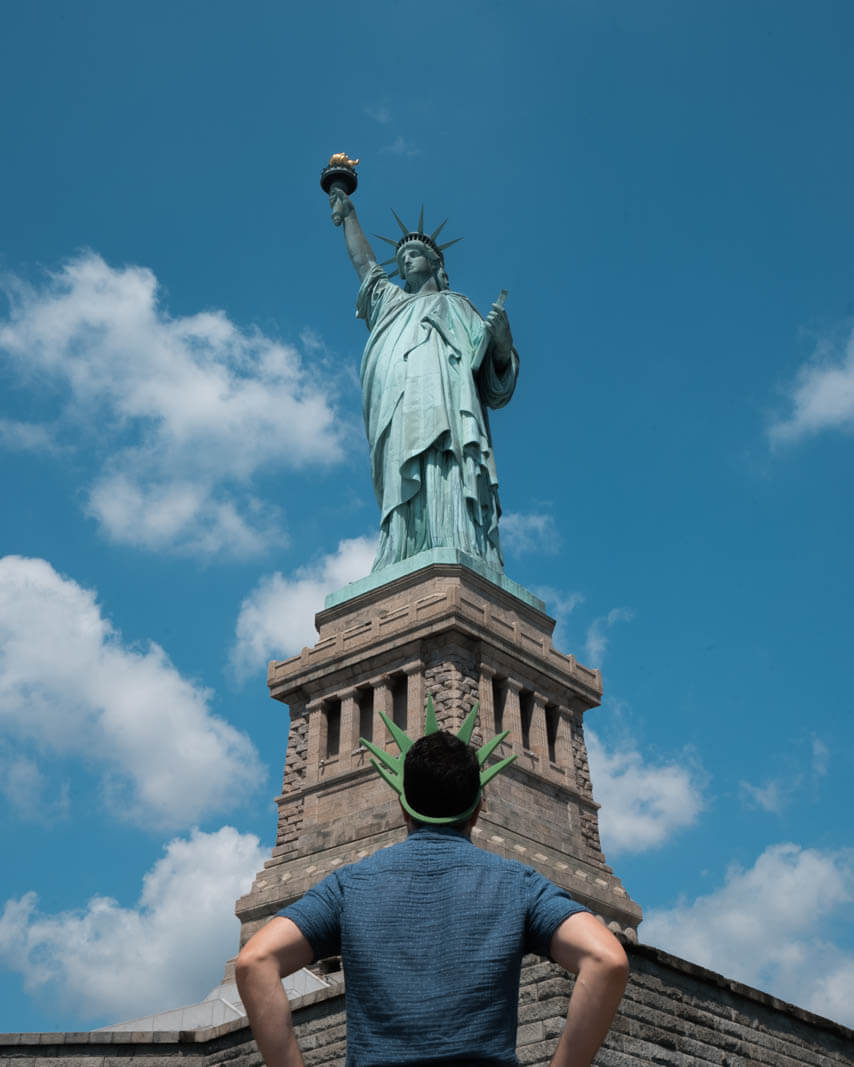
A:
(428, 374)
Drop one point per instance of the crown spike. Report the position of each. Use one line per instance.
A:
(430, 724)
(392, 762)
(448, 244)
(496, 768)
(404, 743)
(486, 750)
(421, 220)
(394, 781)
(388, 240)
(437, 231)
(397, 218)
(465, 731)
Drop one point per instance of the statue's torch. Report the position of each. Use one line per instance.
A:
(340, 173)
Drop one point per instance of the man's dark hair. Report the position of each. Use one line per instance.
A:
(441, 775)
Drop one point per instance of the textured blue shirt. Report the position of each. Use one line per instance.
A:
(432, 932)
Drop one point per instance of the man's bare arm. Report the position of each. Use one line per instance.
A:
(582, 944)
(277, 950)
(344, 214)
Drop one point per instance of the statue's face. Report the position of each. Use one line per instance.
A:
(414, 263)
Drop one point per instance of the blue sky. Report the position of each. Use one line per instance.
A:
(665, 191)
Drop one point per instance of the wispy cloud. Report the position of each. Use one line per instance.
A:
(771, 797)
(188, 409)
(111, 962)
(776, 925)
(379, 113)
(598, 634)
(276, 619)
(400, 146)
(531, 532)
(821, 396)
(775, 794)
(30, 794)
(109, 705)
(560, 605)
(28, 437)
(644, 802)
(820, 757)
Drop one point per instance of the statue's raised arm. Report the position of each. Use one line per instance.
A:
(344, 214)
(431, 368)
(339, 179)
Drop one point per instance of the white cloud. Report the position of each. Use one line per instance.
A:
(188, 410)
(70, 686)
(112, 963)
(820, 757)
(560, 606)
(277, 618)
(27, 791)
(535, 532)
(773, 926)
(776, 793)
(27, 437)
(185, 516)
(821, 397)
(643, 803)
(771, 797)
(401, 147)
(597, 635)
(379, 113)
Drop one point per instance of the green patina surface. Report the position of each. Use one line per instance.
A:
(425, 559)
(430, 370)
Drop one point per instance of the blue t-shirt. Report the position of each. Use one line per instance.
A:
(432, 932)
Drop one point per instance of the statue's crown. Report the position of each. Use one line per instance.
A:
(391, 767)
(419, 234)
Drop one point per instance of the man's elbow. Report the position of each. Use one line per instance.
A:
(252, 958)
(610, 961)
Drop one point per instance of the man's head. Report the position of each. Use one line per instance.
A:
(441, 777)
(445, 775)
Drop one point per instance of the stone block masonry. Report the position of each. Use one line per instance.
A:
(674, 1013)
(446, 632)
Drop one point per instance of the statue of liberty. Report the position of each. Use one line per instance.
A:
(430, 369)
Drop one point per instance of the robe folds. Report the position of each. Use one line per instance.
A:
(428, 374)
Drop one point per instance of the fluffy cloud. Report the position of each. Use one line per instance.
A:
(773, 926)
(535, 532)
(821, 397)
(69, 686)
(112, 963)
(190, 408)
(643, 803)
(277, 618)
(597, 634)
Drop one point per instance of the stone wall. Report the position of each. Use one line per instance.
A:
(674, 1013)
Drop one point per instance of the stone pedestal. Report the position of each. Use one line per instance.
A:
(451, 632)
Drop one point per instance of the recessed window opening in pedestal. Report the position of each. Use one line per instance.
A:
(499, 695)
(526, 711)
(398, 701)
(332, 712)
(365, 701)
(552, 720)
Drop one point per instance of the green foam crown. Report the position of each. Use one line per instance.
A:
(391, 767)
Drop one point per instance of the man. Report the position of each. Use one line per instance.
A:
(432, 932)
